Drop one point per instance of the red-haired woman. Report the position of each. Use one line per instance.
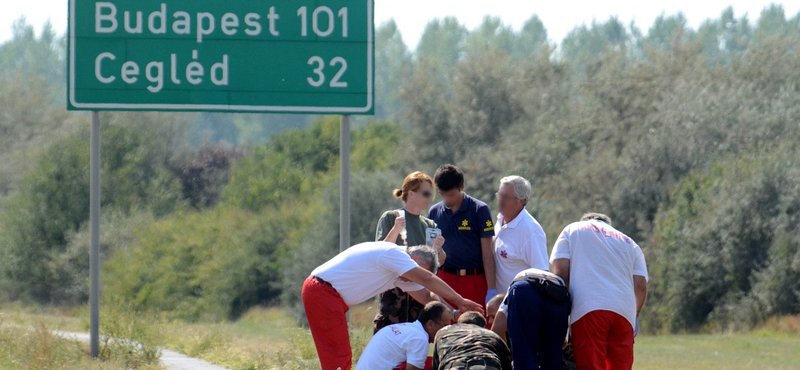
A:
(407, 226)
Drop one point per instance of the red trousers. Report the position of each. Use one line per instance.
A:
(603, 340)
(326, 314)
(472, 287)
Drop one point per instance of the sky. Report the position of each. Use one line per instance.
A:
(411, 16)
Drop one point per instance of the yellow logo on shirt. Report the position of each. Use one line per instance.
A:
(465, 226)
(489, 226)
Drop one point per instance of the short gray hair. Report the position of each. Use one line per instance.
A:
(522, 187)
(426, 254)
(596, 216)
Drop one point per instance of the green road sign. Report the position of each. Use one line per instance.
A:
(302, 56)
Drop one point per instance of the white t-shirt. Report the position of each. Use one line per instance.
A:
(531, 272)
(603, 262)
(519, 245)
(395, 344)
(367, 269)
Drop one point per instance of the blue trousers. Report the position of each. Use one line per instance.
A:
(537, 327)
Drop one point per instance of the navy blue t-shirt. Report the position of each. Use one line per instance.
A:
(463, 230)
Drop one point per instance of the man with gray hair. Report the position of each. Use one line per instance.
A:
(358, 274)
(520, 242)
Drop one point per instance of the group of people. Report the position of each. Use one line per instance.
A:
(484, 293)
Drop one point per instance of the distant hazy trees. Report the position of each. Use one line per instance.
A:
(686, 137)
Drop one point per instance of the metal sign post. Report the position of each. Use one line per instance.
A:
(94, 216)
(344, 188)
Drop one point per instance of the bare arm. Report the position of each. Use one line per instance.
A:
(640, 288)
(561, 268)
(438, 243)
(425, 278)
(391, 236)
(500, 325)
(488, 262)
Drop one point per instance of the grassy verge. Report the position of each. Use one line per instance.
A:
(723, 352)
(270, 339)
(26, 343)
(261, 339)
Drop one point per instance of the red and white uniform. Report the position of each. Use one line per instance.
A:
(354, 276)
(603, 262)
(395, 344)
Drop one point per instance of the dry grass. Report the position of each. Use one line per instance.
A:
(267, 338)
(36, 348)
(783, 325)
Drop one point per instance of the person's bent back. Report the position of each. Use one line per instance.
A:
(360, 273)
(606, 274)
(469, 345)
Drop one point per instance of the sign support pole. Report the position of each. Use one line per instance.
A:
(344, 187)
(94, 215)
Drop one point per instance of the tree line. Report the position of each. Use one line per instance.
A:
(686, 137)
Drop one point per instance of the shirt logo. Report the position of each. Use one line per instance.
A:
(489, 226)
(465, 226)
(504, 254)
(607, 233)
(395, 329)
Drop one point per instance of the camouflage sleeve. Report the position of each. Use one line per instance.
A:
(436, 343)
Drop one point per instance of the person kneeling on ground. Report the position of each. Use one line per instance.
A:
(405, 342)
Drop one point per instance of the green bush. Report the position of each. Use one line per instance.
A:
(210, 265)
(726, 247)
(296, 164)
(53, 201)
(71, 266)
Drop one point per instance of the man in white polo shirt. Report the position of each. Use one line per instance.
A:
(405, 342)
(520, 242)
(606, 273)
(358, 274)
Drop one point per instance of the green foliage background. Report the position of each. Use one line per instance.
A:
(686, 137)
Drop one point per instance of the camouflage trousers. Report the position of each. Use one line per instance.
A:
(569, 358)
(472, 365)
(396, 306)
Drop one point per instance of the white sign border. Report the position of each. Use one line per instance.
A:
(221, 107)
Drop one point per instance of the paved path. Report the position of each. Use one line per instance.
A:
(169, 359)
